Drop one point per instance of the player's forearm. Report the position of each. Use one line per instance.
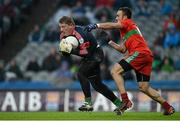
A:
(117, 47)
(74, 52)
(108, 25)
(81, 53)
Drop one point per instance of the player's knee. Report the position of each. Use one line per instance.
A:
(143, 87)
(117, 69)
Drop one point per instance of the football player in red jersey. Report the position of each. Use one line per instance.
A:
(139, 58)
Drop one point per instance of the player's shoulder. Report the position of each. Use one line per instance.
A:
(128, 21)
(80, 29)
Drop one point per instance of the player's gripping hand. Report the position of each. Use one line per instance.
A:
(90, 27)
(65, 48)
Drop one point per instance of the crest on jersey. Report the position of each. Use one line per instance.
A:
(81, 40)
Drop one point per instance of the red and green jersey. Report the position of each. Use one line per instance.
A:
(132, 38)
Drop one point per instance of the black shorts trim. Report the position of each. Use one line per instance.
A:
(125, 65)
(141, 77)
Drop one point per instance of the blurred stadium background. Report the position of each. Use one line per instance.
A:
(34, 77)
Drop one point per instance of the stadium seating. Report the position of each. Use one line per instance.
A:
(150, 27)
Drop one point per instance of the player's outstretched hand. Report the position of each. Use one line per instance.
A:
(90, 27)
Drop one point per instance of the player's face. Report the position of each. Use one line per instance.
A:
(119, 16)
(66, 29)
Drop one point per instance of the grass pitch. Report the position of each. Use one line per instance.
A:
(76, 116)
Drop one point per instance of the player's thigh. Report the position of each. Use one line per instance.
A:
(89, 67)
(121, 67)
